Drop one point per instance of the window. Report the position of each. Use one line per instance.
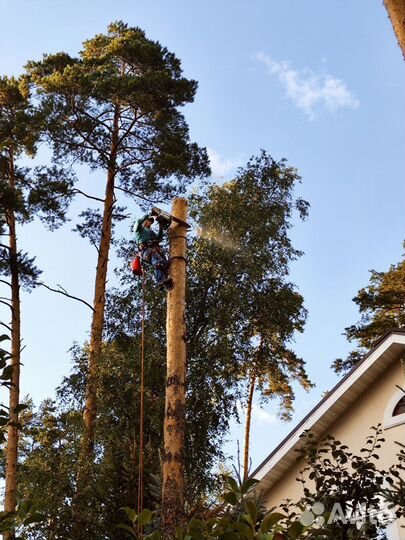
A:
(394, 414)
(399, 407)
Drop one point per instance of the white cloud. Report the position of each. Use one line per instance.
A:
(221, 166)
(310, 91)
(261, 415)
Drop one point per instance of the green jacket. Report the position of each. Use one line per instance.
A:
(143, 234)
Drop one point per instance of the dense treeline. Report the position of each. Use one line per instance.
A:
(228, 288)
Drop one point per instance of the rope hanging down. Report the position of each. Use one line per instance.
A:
(141, 407)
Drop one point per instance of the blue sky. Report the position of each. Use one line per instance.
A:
(319, 83)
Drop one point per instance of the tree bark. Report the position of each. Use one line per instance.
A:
(174, 423)
(247, 428)
(396, 12)
(10, 499)
(97, 325)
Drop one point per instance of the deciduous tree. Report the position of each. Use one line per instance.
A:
(243, 310)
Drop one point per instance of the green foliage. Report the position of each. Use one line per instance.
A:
(333, 475)
(48, 457)
(243, 312)
(382, 308)
(19, 124)
(238, 517)
(20, 522)
(42, 192)
(114, 108)
(351, 487)
(91, 225)
(394, 494)
(50, 444)
(233, 518)
(219, 352)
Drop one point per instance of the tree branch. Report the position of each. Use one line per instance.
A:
(76, 190)
(127, 130)
(94, 118)
(139, 196)
(7, 304)
(6, 326)
(61, 290)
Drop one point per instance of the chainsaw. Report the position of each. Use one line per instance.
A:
(164, 219)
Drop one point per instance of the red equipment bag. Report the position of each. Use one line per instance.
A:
(136, 266)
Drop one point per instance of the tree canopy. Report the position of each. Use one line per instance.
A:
(117, 106)
(382, 307)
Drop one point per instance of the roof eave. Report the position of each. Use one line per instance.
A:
(326, 408)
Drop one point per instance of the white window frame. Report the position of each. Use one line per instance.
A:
(391, 421)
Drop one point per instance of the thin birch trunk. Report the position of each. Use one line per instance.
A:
(247, 428)
(174, 423)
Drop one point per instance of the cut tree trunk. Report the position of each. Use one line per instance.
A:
(247, 428)
(10, 499)
(174, 423)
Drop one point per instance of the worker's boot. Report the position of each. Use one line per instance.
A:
(165, 284)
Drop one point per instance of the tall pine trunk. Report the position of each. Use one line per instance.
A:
(13, 431)
(247, 428)
(96, 336)
(82, 500)
(175, 407)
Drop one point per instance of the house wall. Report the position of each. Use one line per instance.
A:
(352, 429)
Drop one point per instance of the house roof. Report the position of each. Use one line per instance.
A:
(387, 349)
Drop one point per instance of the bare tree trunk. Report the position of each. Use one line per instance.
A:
(174, 423)
(10, 499)
(247, 428)
(96, 336)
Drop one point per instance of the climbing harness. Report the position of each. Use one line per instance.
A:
(143, 259)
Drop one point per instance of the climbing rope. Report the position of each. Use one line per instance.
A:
(141, 407)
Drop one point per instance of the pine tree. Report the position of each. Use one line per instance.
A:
(382, 307)
(24, 194)
(115, 108)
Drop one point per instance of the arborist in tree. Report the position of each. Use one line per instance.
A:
(148, 242)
